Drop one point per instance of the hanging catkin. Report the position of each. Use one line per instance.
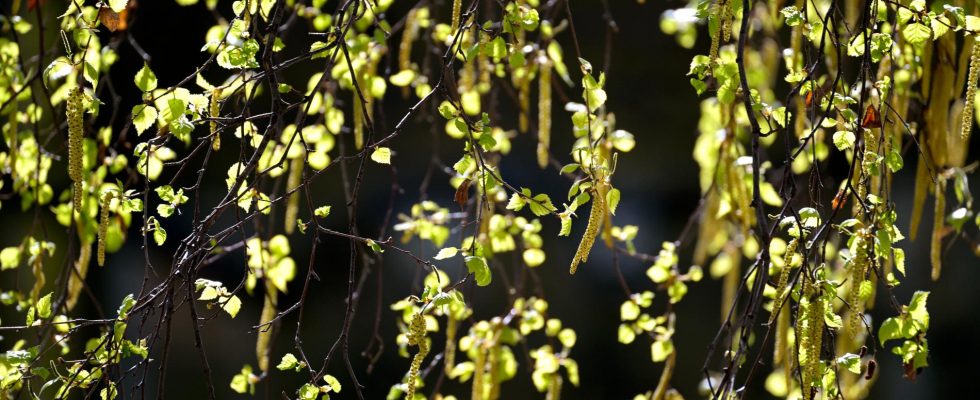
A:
(591, 230)
(971, 90)
(103, 225)
(936, 248)
(74, 112)
(457, 6)
(544, 111)
(214, 110)
(416, 337)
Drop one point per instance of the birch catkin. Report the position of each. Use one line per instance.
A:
(103, 225)
(544, 112)
(457, 7)
(588, 239)
(214, 110)
(74, 112)
(971, 91)
(416, 337)
(936, 248)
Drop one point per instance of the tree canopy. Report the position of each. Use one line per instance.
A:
(411, 199)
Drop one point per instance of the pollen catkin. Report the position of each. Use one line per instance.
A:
(784, 277)
(971, 91)
(103, 225)
(936, 248)
(457, 8)
(358, 123)
(405, 45)
(74, 112)
(815, 322)
(263, 343)
(214, 110)
(450, 352)
(591, 230)
(416, 337)
(293, 182)
(544, 112)
(524, 101)
(859, 266)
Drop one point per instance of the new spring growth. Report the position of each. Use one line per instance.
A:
(544, 109)
(596, 216)
(74, 111)
(104, 224)
(971, 91)
(416, 337)
(213, 110)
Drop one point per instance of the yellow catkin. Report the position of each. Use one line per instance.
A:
(554, 388)
(665, 376)
(358, 123)
(726, 21)
(263, 344)
(103, 225)
(815, 324)
(292, 182)
(780, 355)
(214, 110)
(591, 230)
(858, 268)
(74, 112)
(457, 8)
(478, 373)
(39, 278)
(971, 89)
(544, 112)
(524, 101)
(416, 337)
(76, 278)
(450, 352)
(936, 247)
(922, 183)
(716, 35)
(405, 45)
(781, 292)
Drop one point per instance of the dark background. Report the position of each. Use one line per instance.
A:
(651, 97)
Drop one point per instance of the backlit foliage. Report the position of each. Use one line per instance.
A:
(802, 247)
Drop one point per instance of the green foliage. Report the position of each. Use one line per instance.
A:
(861, 83)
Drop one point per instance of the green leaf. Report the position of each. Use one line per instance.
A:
(375, 246)
(308, 391)
(612, 199)
(541, 205)
(118, 5)
(516, 202)
(660, 349)
(480, 270)
(145, 79)
(333, 383)
(44, 306)
(973, 24)
(894, 160)
(159, 235)
(381, 155)
(9, 258)
(917, 308)
(322, 211)
(232, 306)
(850, 361)
(403, 78)
(288, 362)
(143, 117)
(917, 34)
(844, 140)
(445, 253)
